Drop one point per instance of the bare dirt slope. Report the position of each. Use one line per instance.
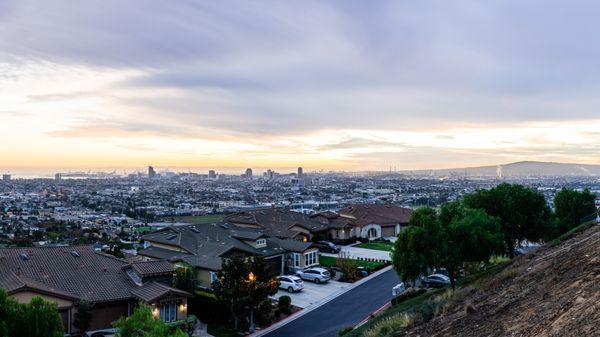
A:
(553, 291)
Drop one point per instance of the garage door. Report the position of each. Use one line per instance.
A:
(388, 231)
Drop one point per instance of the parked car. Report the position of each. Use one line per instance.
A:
(436, 281)
(291, 283)
(317, 275)
(328, 247)
(398, 289)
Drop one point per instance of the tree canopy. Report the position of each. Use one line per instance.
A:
(39, 318)
(454, 236)
(244, 283)
(572, 207)
(523, 212)
(143, 324)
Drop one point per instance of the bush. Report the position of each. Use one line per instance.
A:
(410, 293)
(345, 330)
(208, 308)
(285, 304)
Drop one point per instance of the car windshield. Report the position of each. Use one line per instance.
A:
(298, 281)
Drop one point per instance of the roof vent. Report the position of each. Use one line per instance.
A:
(195, 230)
(24, 256)
(171, 237)
(74, 254)
(223, 226)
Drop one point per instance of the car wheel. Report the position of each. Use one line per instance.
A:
(317, 281)
(290, 290)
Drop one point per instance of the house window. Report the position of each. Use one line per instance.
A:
(310, 259)
(261, 242)
(337, 233)
(168, 312)
(213, 277)
(296, 260)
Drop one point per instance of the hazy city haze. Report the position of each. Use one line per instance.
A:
(344, 85)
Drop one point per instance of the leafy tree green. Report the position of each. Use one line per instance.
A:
(244, 283)
(39, 318)
(449, 239)
(143, 324)
(185, 279)
(571, 207)
(523, 212)
(83, 316)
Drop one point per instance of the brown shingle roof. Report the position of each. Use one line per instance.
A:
(376, 214)
(152, 291)
(149, 268)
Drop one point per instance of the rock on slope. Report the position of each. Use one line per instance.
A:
(553, 291)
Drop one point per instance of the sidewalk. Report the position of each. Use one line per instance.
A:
(316, 305)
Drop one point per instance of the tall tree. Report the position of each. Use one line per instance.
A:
(83, 316)
(572, 207)
(523, 212)
(244, 283)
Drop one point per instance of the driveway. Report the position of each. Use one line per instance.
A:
(313, 293)
(345, 310)
(355, 252)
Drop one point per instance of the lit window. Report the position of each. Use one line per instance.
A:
(168, 312)
(261, 242)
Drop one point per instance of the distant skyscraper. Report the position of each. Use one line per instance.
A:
(58, 177)
(151, 172)
(269, 175)
(6, 177)
(212, 174)
(300, 172)
(249, 173)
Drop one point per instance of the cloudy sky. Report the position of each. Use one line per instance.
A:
(342, 85)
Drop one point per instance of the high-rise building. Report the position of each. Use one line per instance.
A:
(300, 172)
(6, 177)
(58, 177)
(212, 174)
(248, 173)
(151, 172)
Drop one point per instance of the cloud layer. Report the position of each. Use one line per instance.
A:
(337, 84)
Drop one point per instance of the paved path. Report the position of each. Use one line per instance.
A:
(346, 310)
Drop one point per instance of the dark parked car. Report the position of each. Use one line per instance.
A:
(436, 281)
(327, 247)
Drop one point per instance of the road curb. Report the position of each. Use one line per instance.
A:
(318, 304)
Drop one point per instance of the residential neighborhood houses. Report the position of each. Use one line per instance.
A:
(116, 243)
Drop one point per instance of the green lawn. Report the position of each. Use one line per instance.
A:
(387, 246)
(329, 261)
(201, 219)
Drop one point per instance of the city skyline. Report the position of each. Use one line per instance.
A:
(350, 87)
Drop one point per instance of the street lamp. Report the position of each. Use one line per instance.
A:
(251, 328)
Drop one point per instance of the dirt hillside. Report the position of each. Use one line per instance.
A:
(553, 291)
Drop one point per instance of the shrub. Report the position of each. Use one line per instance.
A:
(410, 293)
(345, 330)
(208, 308)
(285, 304)
(389, 327)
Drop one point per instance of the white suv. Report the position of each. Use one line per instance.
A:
(291, 283)
(317, 275)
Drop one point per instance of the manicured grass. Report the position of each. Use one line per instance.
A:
(143, 230)
(200, 219)
(386, 246)
(329, 261)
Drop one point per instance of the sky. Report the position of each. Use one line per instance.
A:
(327, 85)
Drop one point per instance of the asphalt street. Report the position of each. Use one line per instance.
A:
(346, 310)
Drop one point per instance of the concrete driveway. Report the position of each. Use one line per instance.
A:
(355, 252)
(313, 293)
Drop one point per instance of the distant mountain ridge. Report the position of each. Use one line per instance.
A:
(518, 169)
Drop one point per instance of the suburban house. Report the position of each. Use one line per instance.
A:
(279, 222)
(204, 247)
(365, 221)
(374, 220)
(68, 276)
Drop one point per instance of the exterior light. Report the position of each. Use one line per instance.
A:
(251, 277)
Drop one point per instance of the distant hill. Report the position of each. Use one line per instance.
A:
(518, 169)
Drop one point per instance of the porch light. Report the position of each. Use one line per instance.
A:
(183, 307)
(251, 277)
